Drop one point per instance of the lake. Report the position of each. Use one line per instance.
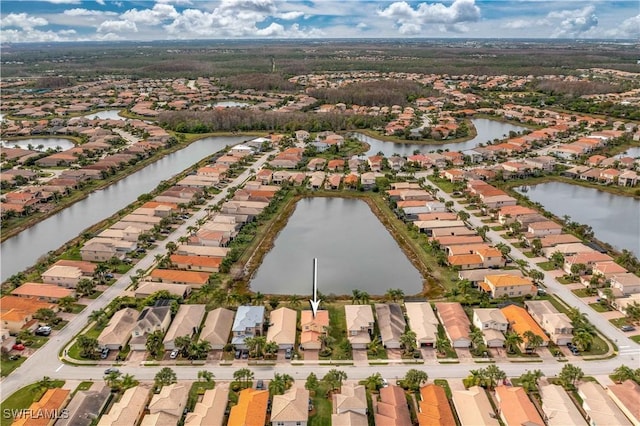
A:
(353, 248)
(487, 130)
(615, 219)
(46, 143)
(230, 104)
(111, 114)
(24, 249)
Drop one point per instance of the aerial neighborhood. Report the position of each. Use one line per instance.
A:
(523, 314)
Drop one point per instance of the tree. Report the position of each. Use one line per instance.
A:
(623, 373)
(199, 350)
(154, 343)
(45, 383)
(256, 345)
(494, 376)
(165, 377)
(529, 380)
(374, 382)
(463, 215)
(512, 340)
(414, 379)
(442, 344)
(583, 339)
(408, 342)
(88, 346)
(394, 294)
(355, 296)
(536, 246)
(171, 247)
(85, 287)
(375, 346)
(569, 376)
(504, 249)
(244, 376)
(557, 258)
(533, 341)
(536, 275)
(45, 314)
(280, 384)
(334, 378)
(66, 303)
(312, 383)
(112, 379)
(98, 316)
(205, 375)
(182, 344)
(271, 349)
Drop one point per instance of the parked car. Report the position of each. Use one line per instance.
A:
(260, 384)
(287, 353)
(14, 357)
(44, 330)
(245, 354)
(18, 347)
(627, 328)
(174, 354)
(238, 354)
(111, 370)
(104, 354)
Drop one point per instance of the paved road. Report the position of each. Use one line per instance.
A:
(625, 344)
(45, 361)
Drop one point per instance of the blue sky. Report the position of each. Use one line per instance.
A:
(77, 20)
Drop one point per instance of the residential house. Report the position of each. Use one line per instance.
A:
(507, 285)
(282, 327)
(217, 328)
(251, 409)
(186, 323)
(128, 409)
(520, 322)
(391, 324)
(167, 407)
(65, 276)
(118, 331)
(44, 292)
(607, 269)
(391, 408)
(350, 406)
(16, 313)
(40, 412)
(375, 163)
(197, 263)
(85, 406)
(456, 323)
(423, 322)
(434, 408)
(210, 410)
(626, 283)
(473, 407)
(359, 325)
(86, 268)
(249, 322)
(193, 279)
(600, 409)
(147, 288)
(99, 252)
(626, 395)
(515, 407)
(540, 229)
(588, 259)
(493, 324)
(466, 261)
(557, 325)
(152, 318)
(558, 407)
(312, 328)
(476, 276)
(291, 408)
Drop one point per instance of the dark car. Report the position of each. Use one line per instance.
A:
(260, 384)
(627, 328)
(111, 370)
(43, 331)
(104, 354)
(238, 353)
(287, 353)
(245, 354)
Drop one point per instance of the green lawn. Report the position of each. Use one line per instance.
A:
(76, 308)
(529, 254)
(23, 398)
(563, 280)
(497, 228)
(619, 322)
(599, 347)
(636, 338)
(547, 266)
(582, 292)
(443, 184)
(599, 307)
(198, 388)
(7, 366)
(338, 323)
(321, 414)
(74, 350)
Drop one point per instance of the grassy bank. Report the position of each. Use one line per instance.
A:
(23, 398)
(427, 142)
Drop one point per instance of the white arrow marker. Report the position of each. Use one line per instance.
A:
(315, 303)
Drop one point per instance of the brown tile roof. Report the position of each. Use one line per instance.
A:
(42, 290)
(434, 407)
(251, 409)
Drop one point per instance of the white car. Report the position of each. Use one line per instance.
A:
(174, 354)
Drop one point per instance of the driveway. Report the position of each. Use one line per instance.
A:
(360, 357)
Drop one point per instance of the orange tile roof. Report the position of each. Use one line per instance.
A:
(27, 304)
(251, 409)
(505, 280)
(317, 324)
(520, 321)
(179, 259)
(180, 276)
(516, 407)
(434, 407)
(53, 400)
(42, 290)
(465, 259)
(86, 267)
(154, 204)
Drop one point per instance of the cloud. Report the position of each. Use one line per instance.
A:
(100, 2)
(290, 16)
(64, 1)
(87, 12)
(629, 28)
(267, 7)
(574, 23)
(178, 2)
(410, 20)
(22, 20)
(160, 13)
(518, 24)
(117, 27)
(31, 35)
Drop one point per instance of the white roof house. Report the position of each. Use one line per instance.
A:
(282, 327)
(423, 322)
(217, 327)
(558, 407)
(186, 323)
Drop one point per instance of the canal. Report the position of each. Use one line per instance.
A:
(40, 144)
(487, 130)
(24, 249)
(353, 248)
(615, 219)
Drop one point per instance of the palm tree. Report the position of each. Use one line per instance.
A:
(364, 297)
(85, 287)
(394, 294)
(557, 258)
(408, 342)
(583, 339)
(512, 340)
(375, 346)
(529, 380)
(623, 373)
(442, 344)
(271, 348)
(45, 383)
(128, 381)
(414, 379)
(258, 299)
(334, 379)
(66, 303)
(294, 301)
(205, 375)
(165, 377)
(356, 296)
(112, 379)
(199, 350)
(494, 376)
(182, 344)
(244, 376)
(569, 375)
(477, 338)
(374, 382)
(463, 215)
(280, 384)
(533, 340)
(154, 343)
(88, 346)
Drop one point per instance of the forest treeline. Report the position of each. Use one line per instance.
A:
(259, 82)
(374, 93)
(576, 88)
(234, 119)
